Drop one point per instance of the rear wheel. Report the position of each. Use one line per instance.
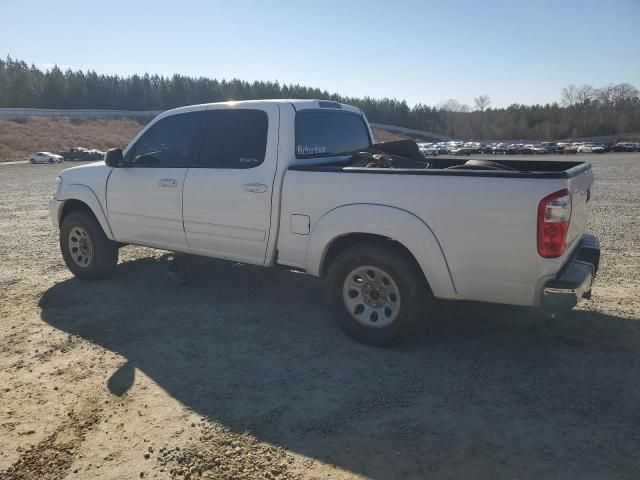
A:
(86, 250)
(377, 293)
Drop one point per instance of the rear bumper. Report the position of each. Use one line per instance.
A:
(574, 281)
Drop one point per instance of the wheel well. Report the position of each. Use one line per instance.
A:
(74, 206)
(340, 244)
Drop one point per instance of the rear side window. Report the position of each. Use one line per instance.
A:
(322, 133)
(234, 139)
(168, 143)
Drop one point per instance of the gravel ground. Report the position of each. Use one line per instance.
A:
(242, 374)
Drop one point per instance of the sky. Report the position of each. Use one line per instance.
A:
(421, 51)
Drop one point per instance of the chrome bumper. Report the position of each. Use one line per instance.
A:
(574, 281)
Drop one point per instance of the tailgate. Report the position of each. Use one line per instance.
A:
(580, 189)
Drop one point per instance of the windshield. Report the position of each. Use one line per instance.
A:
(324, 133)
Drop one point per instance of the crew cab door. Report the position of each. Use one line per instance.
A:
(144, 196)
(227, 192)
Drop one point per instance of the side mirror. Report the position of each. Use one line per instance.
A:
(113, 158)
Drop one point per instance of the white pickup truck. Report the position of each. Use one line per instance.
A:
(300, 183)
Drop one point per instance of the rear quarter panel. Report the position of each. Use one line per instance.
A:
(486, 226)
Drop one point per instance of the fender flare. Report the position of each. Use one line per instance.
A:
(87, 196)
(391, 222)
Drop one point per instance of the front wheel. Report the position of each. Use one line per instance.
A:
(86, 250)
(377, 293)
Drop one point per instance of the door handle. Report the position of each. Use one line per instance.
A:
(255, 187)
(168, 182)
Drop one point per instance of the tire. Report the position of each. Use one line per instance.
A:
(86, 250)
(354, 281)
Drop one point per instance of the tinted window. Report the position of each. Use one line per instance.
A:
(320, 133)
(234, 139)
(170, 141)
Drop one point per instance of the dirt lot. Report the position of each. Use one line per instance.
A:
(242, 374)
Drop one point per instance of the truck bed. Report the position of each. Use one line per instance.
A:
(485, 228)
(440, 166)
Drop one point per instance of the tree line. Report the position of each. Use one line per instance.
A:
(581, 112)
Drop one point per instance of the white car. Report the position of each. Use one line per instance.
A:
(46, 157)
(280, 182)
(429, 150)
(588, 148)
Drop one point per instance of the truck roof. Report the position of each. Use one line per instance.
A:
(298, 104)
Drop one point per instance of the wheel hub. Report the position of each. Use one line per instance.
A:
(373, 294)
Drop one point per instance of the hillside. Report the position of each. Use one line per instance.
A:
(20, 139)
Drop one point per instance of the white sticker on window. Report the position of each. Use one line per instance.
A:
(307, 150)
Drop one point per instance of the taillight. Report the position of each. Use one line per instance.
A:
(554, 214)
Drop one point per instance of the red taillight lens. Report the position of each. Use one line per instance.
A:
(554, 214)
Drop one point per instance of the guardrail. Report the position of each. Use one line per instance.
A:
(411, 132)
(22, 113)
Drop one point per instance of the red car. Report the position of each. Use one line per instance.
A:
(515, 148)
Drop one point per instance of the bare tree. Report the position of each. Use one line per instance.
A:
(482, 102)
(604, 95)
(452, 105)
(456, 124)
(584, 95)
(622, 93)
(569, 94)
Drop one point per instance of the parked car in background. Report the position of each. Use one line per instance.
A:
(442, 148)
(82, 154)
(569, 149)
(46, 157)
(515, 148)
(95, 154)
(540, 150)
(551, 147)
(591, 148)
(75, 153)
(527, 149)
(596, 148)
(463, 150)
(500, 148)
(487, 148)
(430, 151)
(475, 147)
(624, 147)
